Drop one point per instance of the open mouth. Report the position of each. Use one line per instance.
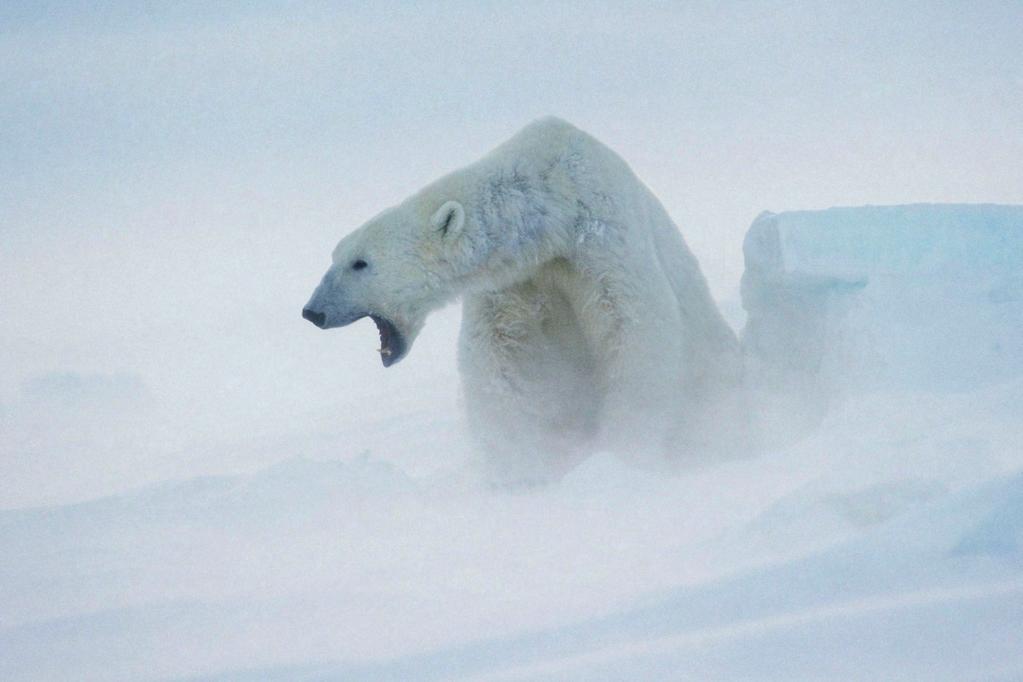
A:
(392, 344)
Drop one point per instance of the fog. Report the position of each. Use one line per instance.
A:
(172, 182)
(175, 178)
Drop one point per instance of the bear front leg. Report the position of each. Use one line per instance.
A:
(529, 395)
(640, 370)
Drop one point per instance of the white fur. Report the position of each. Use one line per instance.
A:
(586, 318)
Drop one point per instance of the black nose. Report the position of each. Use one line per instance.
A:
(319, 319)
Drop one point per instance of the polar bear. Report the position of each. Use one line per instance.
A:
(586, 320)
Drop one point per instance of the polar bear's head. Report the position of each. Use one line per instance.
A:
(395, 269)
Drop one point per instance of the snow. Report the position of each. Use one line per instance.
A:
(884, 542)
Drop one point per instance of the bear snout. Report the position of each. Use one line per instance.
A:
(319, 319)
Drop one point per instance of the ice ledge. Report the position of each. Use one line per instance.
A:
(854, 242)
(919, 296)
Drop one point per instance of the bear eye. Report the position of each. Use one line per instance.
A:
(359, 264)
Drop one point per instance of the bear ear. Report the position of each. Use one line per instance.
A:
(449, 219)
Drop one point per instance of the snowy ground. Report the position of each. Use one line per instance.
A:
(872, 550)
(887, 543)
